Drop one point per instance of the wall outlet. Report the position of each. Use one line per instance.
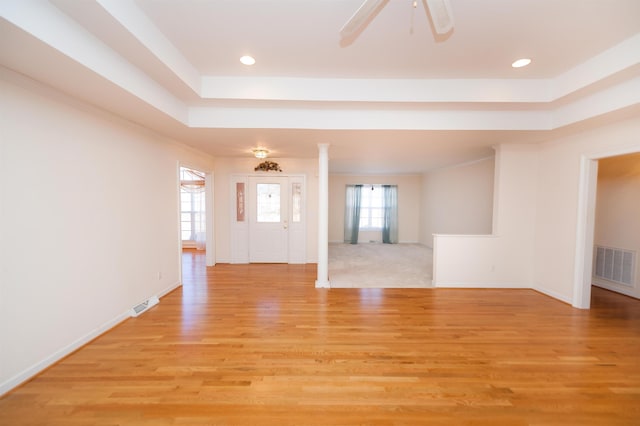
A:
(159, 276)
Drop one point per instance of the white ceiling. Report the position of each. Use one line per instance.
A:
(396, 99)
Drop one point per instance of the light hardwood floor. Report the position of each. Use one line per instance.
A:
(259, 345)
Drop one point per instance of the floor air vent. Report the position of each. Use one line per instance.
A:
(144, 306)
(615, 265)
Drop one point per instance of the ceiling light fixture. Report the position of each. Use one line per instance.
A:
(247, 60)
(521, 63)
(260, 153)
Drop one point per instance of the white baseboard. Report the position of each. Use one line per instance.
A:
(478, 285)
(367, 242)
(323, 284)
(618, 288)
(544, 291)
(169, 289)
(28, 373)
(554, 294)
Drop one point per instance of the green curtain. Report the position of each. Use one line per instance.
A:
(352, 213)
(390, 224)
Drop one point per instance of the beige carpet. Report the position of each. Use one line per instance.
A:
(375, 265)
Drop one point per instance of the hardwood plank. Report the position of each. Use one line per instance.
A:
(258, 344)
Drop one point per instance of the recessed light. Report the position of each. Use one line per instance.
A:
(247, 60)
(521, 63)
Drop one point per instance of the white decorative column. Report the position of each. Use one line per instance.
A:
(323, 216)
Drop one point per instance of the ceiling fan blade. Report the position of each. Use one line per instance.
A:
(441, 16)
(367, 10)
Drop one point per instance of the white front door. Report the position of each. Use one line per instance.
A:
(268, 219)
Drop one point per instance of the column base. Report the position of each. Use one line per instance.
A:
(323, 284)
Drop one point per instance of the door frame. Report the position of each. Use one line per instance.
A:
(586, 224)
(210, 254)
(239, 234)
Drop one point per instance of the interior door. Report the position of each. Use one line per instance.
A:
(268, 219)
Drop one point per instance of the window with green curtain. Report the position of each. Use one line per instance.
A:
(371, 207)
(352, 213)
(390, 221)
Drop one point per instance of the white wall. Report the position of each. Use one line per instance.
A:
(408, 205)
(618, 213)
(504, 258)
(225, 167)
(88, 218)
(457, 200)
(557, 200)
(536, 210)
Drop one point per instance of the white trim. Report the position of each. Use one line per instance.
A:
(585, 228)
(613, 286)
(481, 285)
(464, 164)
(553, 294)
(367, 242)
(323, 284)
(434, 262)
(465, 235)
(169, 289)
(584, 233)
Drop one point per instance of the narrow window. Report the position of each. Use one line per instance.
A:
(192, 207)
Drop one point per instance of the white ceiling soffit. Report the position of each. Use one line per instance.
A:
(180, 59)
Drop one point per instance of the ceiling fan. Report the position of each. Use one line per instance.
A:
(439, 11)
